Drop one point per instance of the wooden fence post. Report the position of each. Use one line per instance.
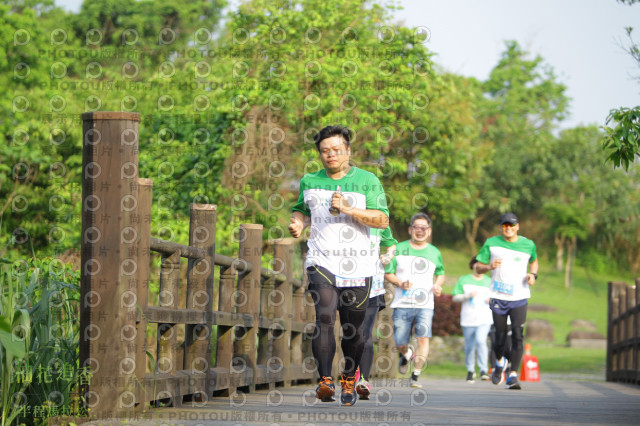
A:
(629, 331)
(145, 189)
(167, 332)
(614, 330)
(107, 319)
(248, 301)
(264, 360)
(283, 304)
(200, 276)
(636, 334)
(383, 361)
(610, 337)
(224, 348)
(298, 337)
(622, 328)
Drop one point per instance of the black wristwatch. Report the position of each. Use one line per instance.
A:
(534, 275)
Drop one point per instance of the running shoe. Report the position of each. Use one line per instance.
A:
(403, 362)
(363, 388)
(471, 377)
(497, 376)
(326, 389)
(348, 396)
(484, 375)
(513, 382)
(414, 381)
(357, 374)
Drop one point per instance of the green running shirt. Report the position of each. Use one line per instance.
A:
(340, 243)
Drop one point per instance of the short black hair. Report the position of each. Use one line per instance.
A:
(335, 130)
(421, 215)
(472, 262)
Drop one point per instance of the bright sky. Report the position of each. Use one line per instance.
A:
(580, 39)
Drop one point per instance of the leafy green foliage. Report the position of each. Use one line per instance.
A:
(623, 140)
(39, 332)
(14, 341)
(228, 115)
(525, 103)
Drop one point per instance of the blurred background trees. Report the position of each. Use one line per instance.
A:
(230, 103)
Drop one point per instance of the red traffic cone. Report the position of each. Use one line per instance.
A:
(530, 370)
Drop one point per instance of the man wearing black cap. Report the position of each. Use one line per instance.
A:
(508, 257)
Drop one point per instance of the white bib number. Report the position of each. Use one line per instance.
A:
(504, 288)
(342, 282)
(377, 286)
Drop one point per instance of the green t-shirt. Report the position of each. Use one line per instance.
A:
(419, 266)
(340, 243)
(475, 310)
(509, 281)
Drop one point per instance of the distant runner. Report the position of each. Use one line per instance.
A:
(508, 257)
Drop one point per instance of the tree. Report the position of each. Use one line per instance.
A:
(622, 140)
(582, 195)
(58, 65)
(521, 102)
(314, 63)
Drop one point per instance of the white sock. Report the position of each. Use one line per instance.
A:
(416, 372)
(408, 354)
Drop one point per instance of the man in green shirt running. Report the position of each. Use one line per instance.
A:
(508, 256)
(418, 274)
(340, 203)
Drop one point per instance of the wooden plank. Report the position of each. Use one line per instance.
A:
(303, 327)
(219, 379)
(268, 323)
(155, 314)
(168, 247)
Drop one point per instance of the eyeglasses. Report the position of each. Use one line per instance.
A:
(508, 225)
(420, 228)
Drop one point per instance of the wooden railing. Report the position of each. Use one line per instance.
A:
(255, 322)
(623, 333)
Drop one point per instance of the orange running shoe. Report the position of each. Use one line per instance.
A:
(326, 389)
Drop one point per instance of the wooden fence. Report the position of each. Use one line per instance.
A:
(258, 331)
(623, 333)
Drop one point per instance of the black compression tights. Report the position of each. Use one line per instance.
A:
(351, 303)
(518, 317)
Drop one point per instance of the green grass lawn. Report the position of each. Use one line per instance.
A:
(555, 360)
(586, 300)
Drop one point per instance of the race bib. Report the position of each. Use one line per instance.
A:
(503, 288)
(342, 282)
(377, 286)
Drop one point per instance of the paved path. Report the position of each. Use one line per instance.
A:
(440, 401)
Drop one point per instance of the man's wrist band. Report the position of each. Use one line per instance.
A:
(534, 275)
